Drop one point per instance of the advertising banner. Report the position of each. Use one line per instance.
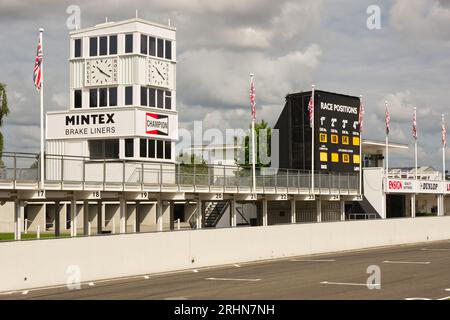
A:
(429, 187)
(400, 186)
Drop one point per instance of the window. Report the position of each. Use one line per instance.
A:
(143, 148)
(168, 101)
(151, 97)
(167, 150)
(160, 99)
(169, 50)
(128, 96)
(151, 148)
(77, 48)
(151, 46)
(77, 101)
(113, 97)
(160, 48)
(113, 44)
(104, 149)
(93, 46)
(159, 149)
(103, 97)
(128, 43)
(103, 46)
(144, 101)
(129, 148)
(92, 98)
(144, 42)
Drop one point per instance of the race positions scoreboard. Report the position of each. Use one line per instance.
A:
(337, 138)
(336, 132)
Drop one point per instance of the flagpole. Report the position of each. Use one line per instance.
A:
(360, 144)
(387, 143)
(444, 142)
(41, 91)
(312, 140)
(415, 141)
(253, 146)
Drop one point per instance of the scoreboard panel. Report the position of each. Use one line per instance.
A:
(336, 132)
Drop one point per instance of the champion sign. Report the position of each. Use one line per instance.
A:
(156, 124)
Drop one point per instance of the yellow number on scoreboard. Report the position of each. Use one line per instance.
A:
(323, 157)
(323, 137)
(356, 159)
(345, 158)
(356, 141)
(345, 140)
(334, 139)
(334, 157)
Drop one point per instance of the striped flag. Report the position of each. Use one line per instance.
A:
(37, 75)
(443, 133)
(387, 118)
(361, 114)
(414, 125)
(252, 98)
(311, 112)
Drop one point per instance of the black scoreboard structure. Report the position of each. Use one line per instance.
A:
(337, 139)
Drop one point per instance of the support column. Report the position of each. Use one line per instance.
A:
(319, 209)
(100, 212)
(86, 217)
(198, 214)
(265, 219)
(159, 215)
(73, 217)
(57, 219)
(293, 215)
(138, 216)
(171, 213)
(18, 209)
(440, 204)
(413, 205)
(342, 206)
(233, 213)
(123, 213)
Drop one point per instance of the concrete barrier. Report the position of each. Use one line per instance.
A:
(31, 264)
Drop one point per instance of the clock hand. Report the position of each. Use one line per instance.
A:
(103, 72)
(160, 73)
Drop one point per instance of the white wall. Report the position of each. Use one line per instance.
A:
(373, 189)
(102, 257)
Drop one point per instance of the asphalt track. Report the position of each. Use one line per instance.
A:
(419, 271)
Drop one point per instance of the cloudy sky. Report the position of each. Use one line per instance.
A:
(287, 44)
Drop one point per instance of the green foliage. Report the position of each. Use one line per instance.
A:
(4, 110)
(263, 145)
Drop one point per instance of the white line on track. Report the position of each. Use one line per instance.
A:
(195, 270)
(445, 298)
(91, 284)
(448, 289)
(347, 283)
(407, 262)
(25, 292)
(233, 279)
(435, 249)
(146, 277)
(236, 265)
(313, 260)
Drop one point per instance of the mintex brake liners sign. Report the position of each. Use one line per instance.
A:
(157, 124)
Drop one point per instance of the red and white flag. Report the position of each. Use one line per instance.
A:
(361, 114)
(387, 118)
(414, 125)
(444, 133)
(252, 98)
(37, 75)
(311, 111)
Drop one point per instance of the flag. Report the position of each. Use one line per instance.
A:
(252, 98)
(311, 112)
(414, 125)
(388, 119)
(444, 133)
(361, 114)
(37, 75)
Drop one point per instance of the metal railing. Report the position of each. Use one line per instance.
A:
(62, 168)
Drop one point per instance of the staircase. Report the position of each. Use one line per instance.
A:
(213, 212)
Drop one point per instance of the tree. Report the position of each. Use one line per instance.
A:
(4, 110)
(263, 145)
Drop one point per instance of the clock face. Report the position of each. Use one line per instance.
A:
(100, 72)
(158, 73)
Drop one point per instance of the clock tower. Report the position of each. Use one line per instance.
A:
(122, 95)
